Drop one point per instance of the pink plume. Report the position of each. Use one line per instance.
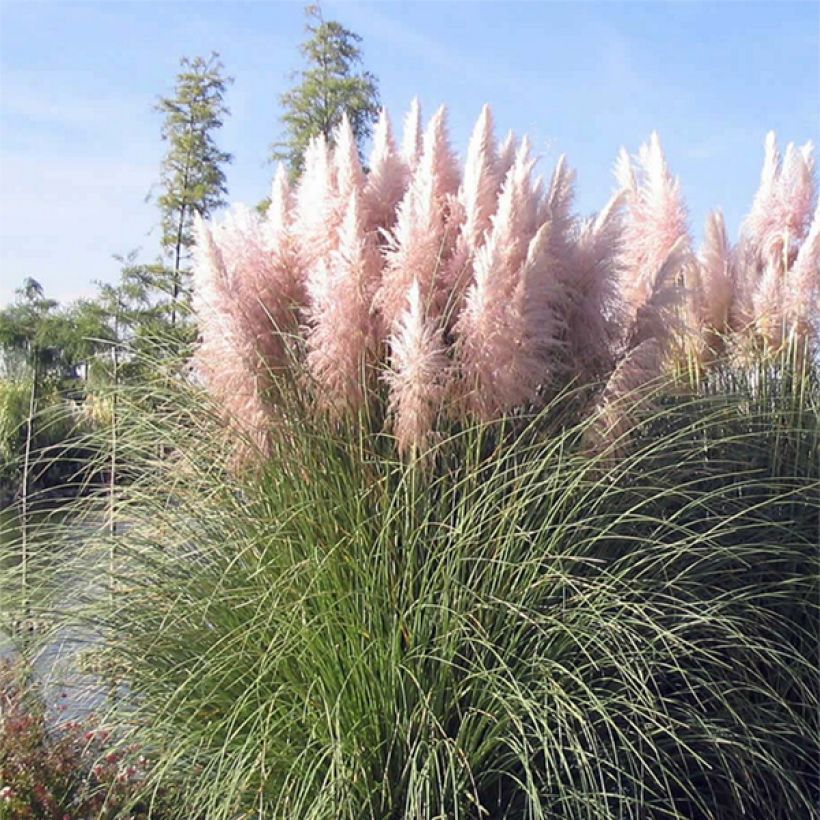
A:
(802, 296)
(767, 301)
(315, 203)
(592, 317)
(341, 337)
(412, 136)
(388, 177)
(278, 216)
(418, 245)
(477, 198)
(479, 187)
(626, 398)
(439, 157)
(226, 356)
(505, 156)
(347, 168)
(418, 375)
(560, 197)
(655, 223)
(506, 326)
(716, 277)
(782, 207)
(557, 207)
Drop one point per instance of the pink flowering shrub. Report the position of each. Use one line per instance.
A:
(66, 772)
(448, 292)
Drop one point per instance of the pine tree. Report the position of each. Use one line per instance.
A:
(192, 178)
(328, 87)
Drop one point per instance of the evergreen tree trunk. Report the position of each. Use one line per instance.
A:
(177, 266)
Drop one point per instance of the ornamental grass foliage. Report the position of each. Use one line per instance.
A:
(485, 510)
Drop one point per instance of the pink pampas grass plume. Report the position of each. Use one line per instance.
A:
(417, 377)
(414, 248)
(505, 156)
(315, 203)
(347, 168)
(782, 207)
(560, 198)
(226, 357)
(387, 180)
(626, 398)
(411, 141)
(418, 246)
(479, 187)
(477, 199)
(506, 326)
(767, 302)
(796, 193)
(802, 292)
(656, 221)
(264, 280)
(592, 320)
(658, 317)
(716, 273)
(556, 206)
(439, 155)
(283, 285)
(341, 337)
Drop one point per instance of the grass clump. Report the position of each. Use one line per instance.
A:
(511, 627)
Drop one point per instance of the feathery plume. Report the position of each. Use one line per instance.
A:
(412, 135)
(505, 156)
(802, 292)
(437, 153)
(264, 282)
(657, 317)
(341, 337)
(796, 195)
(560, 197)
(477, 197)
(767, 302)
(592, 319)
(781, 209)
(283, 286)
(226, 358)
(387, 180)
(315, 202)
(556, 206)
(418, 247)
(716, 278)
(278, 215)
(417, 376)
(626, 398)
(506, 325)
(347, 167)
(479, 187)
(655, 224)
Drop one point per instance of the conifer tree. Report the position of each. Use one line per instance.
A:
(192, 175)
(329, 87)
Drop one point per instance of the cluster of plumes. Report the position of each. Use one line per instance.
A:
(471, 291)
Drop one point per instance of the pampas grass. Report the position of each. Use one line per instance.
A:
(528, 296)
(504, 625)
(514, 514)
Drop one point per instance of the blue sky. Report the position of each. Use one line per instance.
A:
(80, 147)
